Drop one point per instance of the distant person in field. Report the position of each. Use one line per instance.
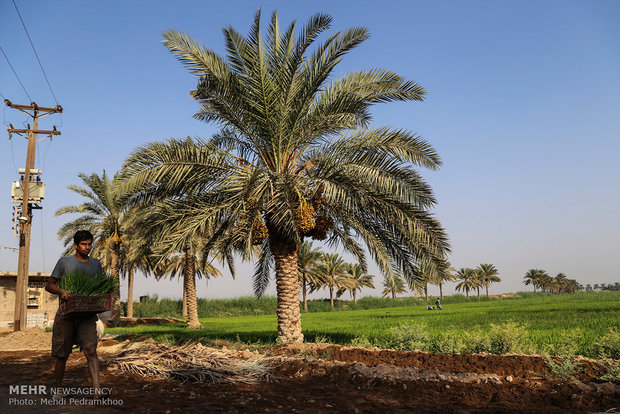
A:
(80, 330)
(438, 304)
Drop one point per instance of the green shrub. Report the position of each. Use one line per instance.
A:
(508, 337)
(475, 342)
(566, 369)
(362, 342)
(608, 346)
(612, 368)
(566, 344)
(409, 337)
(446, 343)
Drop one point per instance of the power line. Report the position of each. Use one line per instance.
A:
(35, 52)
(15, 73)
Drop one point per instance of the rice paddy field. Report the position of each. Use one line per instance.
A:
(585, 324)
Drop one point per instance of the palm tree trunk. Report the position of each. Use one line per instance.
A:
(184, 304)
(289, 316)
(130, 293)
(355, 296)
(426, 291)
(393, 294)
(331, 295)
(189, 276)
(441, 290)
(467, 291)
(303, 289)
(116, 296)
(487, 287)
(478, 292)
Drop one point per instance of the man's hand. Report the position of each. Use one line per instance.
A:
(64, 294)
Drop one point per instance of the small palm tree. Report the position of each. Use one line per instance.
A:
(488, 274)
(393, 285)
(307, 259)
(102, 215)
(361, 278)
(333, 271)
(468, 280)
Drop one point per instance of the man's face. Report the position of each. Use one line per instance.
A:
(84, 247)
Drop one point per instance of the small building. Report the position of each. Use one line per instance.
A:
(41, 305)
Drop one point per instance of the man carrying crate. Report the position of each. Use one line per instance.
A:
(82, 329)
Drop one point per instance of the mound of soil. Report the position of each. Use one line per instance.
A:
(321, 378)
(29, 339)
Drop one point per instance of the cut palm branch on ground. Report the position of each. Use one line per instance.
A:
(81, 284)
(190, 363)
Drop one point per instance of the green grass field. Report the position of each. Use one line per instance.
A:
(557, 324)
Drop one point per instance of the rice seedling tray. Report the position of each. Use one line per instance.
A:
(79, 304)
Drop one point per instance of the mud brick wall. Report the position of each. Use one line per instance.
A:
(42, 306)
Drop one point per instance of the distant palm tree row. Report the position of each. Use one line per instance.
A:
(558, 284)
(481, 277)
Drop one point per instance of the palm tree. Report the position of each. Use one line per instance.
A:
(190, 260)
(332, 270)
(296, 158)
(445, 273)
(468, 280)
(307, 259)
(102, 215)
(488, 274)
(393, 285)
(361, 278)
(427, 274)
(536, 278)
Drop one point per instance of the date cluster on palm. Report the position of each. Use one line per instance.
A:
(259, 231)
(310, 219)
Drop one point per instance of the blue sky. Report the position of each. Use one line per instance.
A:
(523, 105)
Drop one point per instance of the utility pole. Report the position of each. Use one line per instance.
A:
(25, 220)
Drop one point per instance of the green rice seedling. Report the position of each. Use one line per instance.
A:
(81, 284)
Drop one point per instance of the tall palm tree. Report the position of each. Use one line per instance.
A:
(361, 278)
(393, 285)
(102, 215)
(333, 272)
(296, 157)
(488, 274)
(307, 259)
(468, 280)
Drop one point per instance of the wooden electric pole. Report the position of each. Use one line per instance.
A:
(25, 220)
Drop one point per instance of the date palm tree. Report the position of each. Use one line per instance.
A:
(296, 158)
(468, 280)
(102, 215)
(332, 270)
(488, 274)
(307, 259)
(153, 227)
(537, 278)
(393, 284)
(359, 280)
